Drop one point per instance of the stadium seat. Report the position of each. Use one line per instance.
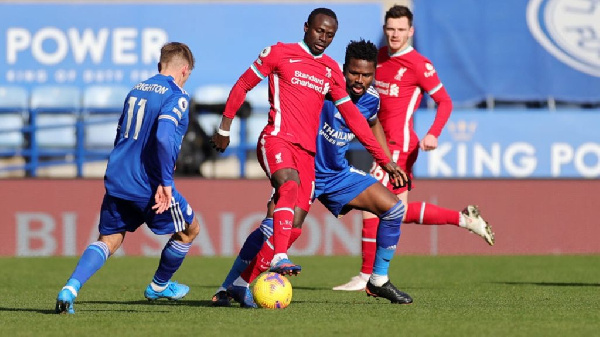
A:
(13, 115)
(55, 105)
(210, 101)
(258, 98)
(102, 107)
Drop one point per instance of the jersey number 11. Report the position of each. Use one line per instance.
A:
(139, 116)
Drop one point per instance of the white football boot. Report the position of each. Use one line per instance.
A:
(475, 223)
(356, 283)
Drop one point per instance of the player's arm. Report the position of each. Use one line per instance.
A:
(168, 145)
(377, 130)
(260, 68)
(434, 87)
(359, 126)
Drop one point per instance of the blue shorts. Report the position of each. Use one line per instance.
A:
(120, 215)
(336, 191)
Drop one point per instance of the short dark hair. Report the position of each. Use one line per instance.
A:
(397, 11)
(361, 50)
(321, 10)
(176, 49)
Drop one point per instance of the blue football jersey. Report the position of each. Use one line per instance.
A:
(134, 169)
(334, 135)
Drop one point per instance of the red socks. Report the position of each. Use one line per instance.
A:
(430, 214)
(369, 244)
(283, 215)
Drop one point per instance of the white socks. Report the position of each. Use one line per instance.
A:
(364, 276)
(240, 282)
(378, 280)
(278, 257)
(158, 288)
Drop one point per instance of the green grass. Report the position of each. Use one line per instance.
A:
(454, 296)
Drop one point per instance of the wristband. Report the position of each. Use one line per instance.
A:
(223, 133)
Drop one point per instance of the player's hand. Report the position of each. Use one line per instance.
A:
(219, 142)
(428, 143)
(162, 199)
(398, 177)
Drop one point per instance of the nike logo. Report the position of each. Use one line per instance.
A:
(294, 61)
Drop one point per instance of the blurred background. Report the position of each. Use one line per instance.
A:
(523, 140)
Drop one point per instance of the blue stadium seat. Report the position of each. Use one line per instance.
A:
(102, 107)
(210, 100)
(259, 101)
(13, 115)
(55, 105)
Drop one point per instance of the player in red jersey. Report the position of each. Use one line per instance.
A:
(402, 76)
(300, 75)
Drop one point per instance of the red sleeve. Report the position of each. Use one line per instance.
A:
(360, 127)
(237, 95)
(430, 82)
(444, 108)
(262, 67)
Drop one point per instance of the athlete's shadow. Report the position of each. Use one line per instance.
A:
(551, 284)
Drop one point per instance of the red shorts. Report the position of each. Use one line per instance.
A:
(405, 160)
(275, 153)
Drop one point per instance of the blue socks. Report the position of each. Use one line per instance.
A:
(249, 250)
(388, 234)
(91, 261)
(170, 260)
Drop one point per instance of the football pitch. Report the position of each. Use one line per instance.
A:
(453, 296)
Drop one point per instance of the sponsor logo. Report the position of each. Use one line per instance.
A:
(569, 30)
(430, 70)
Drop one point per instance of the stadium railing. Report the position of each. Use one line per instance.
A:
(58, 125)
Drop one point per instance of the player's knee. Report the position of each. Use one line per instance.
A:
(190, 233)
(395, 214)
(287, 193)
(289, 187)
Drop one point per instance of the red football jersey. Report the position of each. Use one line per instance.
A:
(298, 83)
(401, 79)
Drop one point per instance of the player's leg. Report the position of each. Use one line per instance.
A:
(469, 218)
(239, 290)
(247, 254)
(380, 201)
(115, 215)
(278, 159)
(179, 220)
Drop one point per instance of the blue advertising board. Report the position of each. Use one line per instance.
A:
(83, 44)
(512, 49)
(514, 143)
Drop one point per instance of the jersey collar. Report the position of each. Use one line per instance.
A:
(402, 52)
(303, 45)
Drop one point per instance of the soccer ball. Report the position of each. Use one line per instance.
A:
(272, 291)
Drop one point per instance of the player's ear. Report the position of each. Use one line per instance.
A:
(306, 27)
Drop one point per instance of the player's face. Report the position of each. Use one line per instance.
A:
(359, 76)
(320, 33)
(397, 33)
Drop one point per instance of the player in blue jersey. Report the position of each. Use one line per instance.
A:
(339, 186)
(139, 179)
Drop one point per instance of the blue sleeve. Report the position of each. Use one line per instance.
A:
(168, 140)
(165, 135)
